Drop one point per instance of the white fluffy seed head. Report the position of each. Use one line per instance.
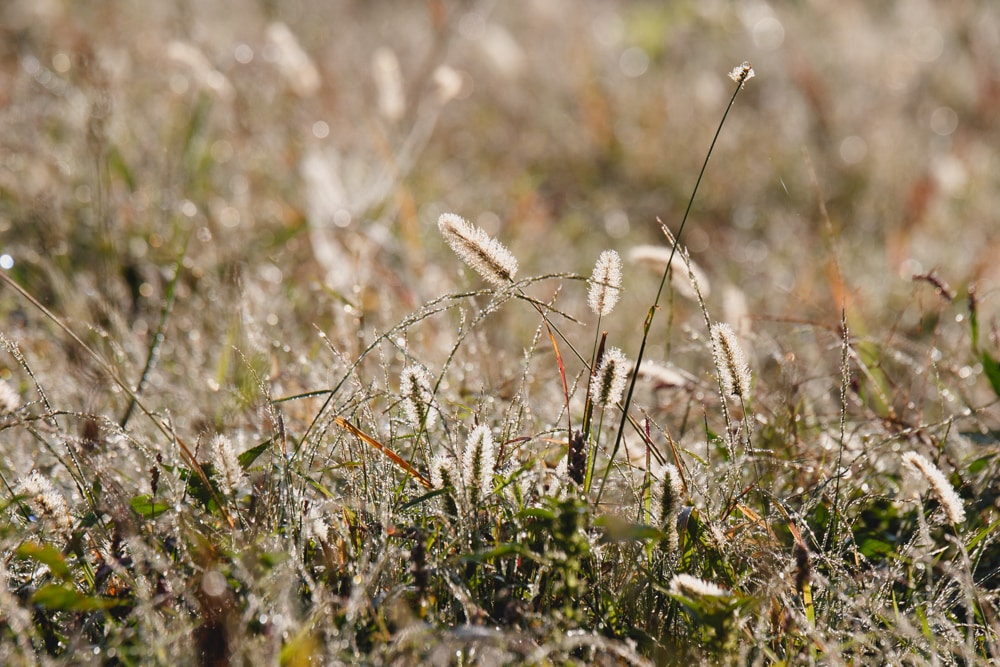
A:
(742, 73)
(45, 501)
(730, 361)
(478, 461)
(418, 396)
(670, 503)
(483, 253)
(658, 258)
(10, 400)
(227, 464)
(442, 472)
(605, 283)
(608, 384)
(950, 501)
(691, 586)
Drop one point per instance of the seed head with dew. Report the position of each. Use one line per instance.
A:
(730, 361)
(670, 503)
(418, 396)
(693, 587)
(10, 401)
(478, 461)
(442, 472)
(608, 383)
(605, 283)
(742, 73)
(443, 477)
(483, 253)
(950, 501)
(45, 501)
(227, 464)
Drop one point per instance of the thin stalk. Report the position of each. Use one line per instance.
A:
(154, 346)
(845, 379)
(647, 325)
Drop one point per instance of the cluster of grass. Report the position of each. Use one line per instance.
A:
(264, 400)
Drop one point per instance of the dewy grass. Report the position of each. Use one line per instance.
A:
(483, 253)
(950, 501)
(740, 74)
(402, 491)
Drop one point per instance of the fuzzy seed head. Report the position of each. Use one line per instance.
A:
(658, 258)
(418, 397)
(730, 361)
(45, 501)
(950, 501)
(742, 73)
(478, 461)
(608, 384)
(670, 503)
(483, 253)
(670, 500)
(227, 464)
(316, 525)
(442, 472)
(605, 283)
(691, 586)
(10, 401)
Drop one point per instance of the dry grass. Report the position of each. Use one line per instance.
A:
(253, 409)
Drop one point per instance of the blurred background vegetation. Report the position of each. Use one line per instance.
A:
(243, 176)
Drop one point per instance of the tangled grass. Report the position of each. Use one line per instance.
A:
(255, 409)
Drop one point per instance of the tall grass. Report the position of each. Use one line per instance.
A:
(263, 399)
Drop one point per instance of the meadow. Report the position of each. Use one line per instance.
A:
(557, 332)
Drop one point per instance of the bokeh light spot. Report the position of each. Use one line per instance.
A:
(633, 62)
(768, 34)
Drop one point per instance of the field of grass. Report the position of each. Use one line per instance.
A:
(307, 355)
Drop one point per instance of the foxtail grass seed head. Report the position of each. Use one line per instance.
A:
(670, 503)
(657, 259)
(316, 525)
(670, 500)
(227, 464)
(443, 477)
(730, 361)
(10, 401)
(605, 283)
(483, 253)
(418, 396)
(950, 501)
(742, 73)
(442, 472)
(478, 461)
(45, 501)
(608, 384)
(663, 376)
(693, 587)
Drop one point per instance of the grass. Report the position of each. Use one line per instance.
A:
(256, 407)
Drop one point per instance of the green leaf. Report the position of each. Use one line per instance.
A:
(148, 507)
(499, 552)
(63, 597)
(47, 555)
(992, 369)
(875, 548)
(537, 513)
(980, 464)
(619, 530)
(251, 455)
(271, 559)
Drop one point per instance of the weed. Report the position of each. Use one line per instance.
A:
(252, 411)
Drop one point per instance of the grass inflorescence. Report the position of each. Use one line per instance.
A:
(253, 415)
